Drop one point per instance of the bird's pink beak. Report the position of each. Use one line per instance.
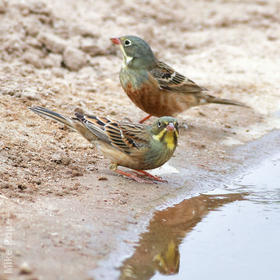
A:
(116, 41)
(170, 127)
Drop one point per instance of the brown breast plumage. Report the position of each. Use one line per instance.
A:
(159, 102)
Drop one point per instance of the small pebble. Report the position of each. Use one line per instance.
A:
(74, 59)
(25, 268)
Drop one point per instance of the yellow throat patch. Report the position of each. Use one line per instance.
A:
(126, 59)
(168, 138)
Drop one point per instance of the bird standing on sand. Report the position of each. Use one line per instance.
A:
(135, 146)
(154, 86)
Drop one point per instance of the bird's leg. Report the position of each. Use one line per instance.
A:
(184, 125)
(155, 178)
(144, 119)
(132, 176)
(136, 178)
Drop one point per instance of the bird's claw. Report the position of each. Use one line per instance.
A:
(150, 176)
(134, 176)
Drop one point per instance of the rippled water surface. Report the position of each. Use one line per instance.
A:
(229, 233)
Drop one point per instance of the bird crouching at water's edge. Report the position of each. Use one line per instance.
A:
(155, 87)
(135, 146)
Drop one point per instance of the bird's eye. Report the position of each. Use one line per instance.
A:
(159, 124)
(127, 42)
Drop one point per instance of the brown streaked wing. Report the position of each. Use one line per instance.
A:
(125, 137)
(98, 121)
(137, 133)
(169, 79)
(95, 125)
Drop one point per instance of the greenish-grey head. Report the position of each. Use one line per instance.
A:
(136, 52)
(166, 130)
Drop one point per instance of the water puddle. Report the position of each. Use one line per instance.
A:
(231, 233)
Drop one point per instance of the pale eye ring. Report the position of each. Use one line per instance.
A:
(127, 43)
(159, 124)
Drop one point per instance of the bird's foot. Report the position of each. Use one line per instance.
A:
(152, 177)
(133, 176)
(144, 119)
(184, 125)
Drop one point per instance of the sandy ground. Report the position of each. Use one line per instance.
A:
(62, 210)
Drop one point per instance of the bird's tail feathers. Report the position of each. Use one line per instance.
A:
(217, 100)
(52, 115)
(75, 123)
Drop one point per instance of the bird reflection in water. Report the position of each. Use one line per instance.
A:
(158, 249)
